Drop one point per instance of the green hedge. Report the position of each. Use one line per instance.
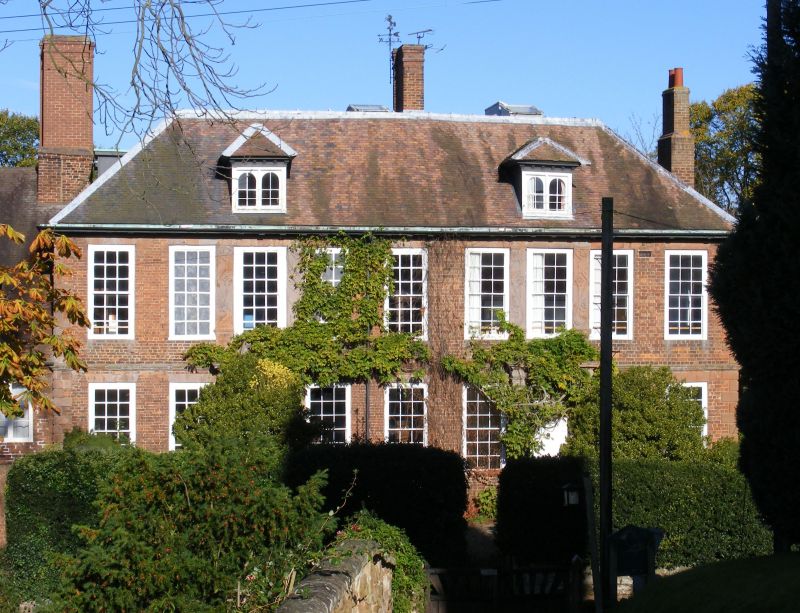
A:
(532, 522)
(48, 492)
(705, 509)
(422, 490)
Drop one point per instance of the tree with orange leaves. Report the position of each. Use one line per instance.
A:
(31, 305)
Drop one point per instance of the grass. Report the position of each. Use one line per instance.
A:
(765, 584)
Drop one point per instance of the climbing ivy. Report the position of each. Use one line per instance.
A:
(339, 334)
(531, 382)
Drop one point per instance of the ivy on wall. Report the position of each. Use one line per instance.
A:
(339, 334)
(531, 382)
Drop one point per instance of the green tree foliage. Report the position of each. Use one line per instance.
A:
(548, 377)
(31, 302)
(726, 160)
(252, 399)
(755, 284)
(195, 531)
(654, 417)
(339, 334)
(409, 581)
(19, 139)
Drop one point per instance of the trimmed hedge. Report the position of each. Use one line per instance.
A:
(532, 522)
(422, 490)
(48, 492)
(705, 509)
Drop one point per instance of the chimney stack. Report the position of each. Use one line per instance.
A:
(408, 62)
(65, 117)
(676, 144)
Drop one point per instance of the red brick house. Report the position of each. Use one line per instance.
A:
(187, 240)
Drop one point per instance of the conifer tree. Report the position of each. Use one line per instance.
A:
(756, 285)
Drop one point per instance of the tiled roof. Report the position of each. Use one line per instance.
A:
(19, 209)
(410, 170)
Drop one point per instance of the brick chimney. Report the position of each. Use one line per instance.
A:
(409, 78)
(676, 144)
(65, 118)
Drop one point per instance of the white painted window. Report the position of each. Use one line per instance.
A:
(549, 291)
(191, 293)
(258, 189)
(622, 288)
(406, 308)
(546, 194)
(330, 406)
(483, 425)
(486, 292)
(699, 393)
(405, 413)
(181, 397)
(685, 297)
(335, 269)
(112, 409)
(259, 287)
(110, 284)
(18, 429)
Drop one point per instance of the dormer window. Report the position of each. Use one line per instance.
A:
(546, 194)
(541, 171)
(259, 161)
(259, 189)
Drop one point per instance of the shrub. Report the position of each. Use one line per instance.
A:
(532, 522)
(654, 417)
(48, 492)
(251, 398)
(724, 452)
(409, 580)
(486, 501)
(705, 509)
(422, 490)
(180, 531)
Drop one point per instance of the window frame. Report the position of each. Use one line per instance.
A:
(546, 176)
(594, 279)
(90, 278)
(398, 251)
(530, 253)
(492, 333)
(703, 387)
(211, 249)
(131, 387)
(29, 411)
(174, 387)
(348, 406)
(501, 429)
(258, 171)
(238, 285)
(703, 335)
(424, 388)
(332, 253)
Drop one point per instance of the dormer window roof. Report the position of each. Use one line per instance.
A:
(260, 162)
(545, 178)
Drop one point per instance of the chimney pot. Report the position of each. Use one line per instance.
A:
(676, 144)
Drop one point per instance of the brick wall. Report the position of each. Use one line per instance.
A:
(151, 361)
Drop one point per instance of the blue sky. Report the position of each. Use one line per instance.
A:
(606, 59)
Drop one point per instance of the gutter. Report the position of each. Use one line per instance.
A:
(296, 230)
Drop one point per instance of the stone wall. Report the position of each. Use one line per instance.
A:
(360, 581)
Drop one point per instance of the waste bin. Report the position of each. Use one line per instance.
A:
(633, 554)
